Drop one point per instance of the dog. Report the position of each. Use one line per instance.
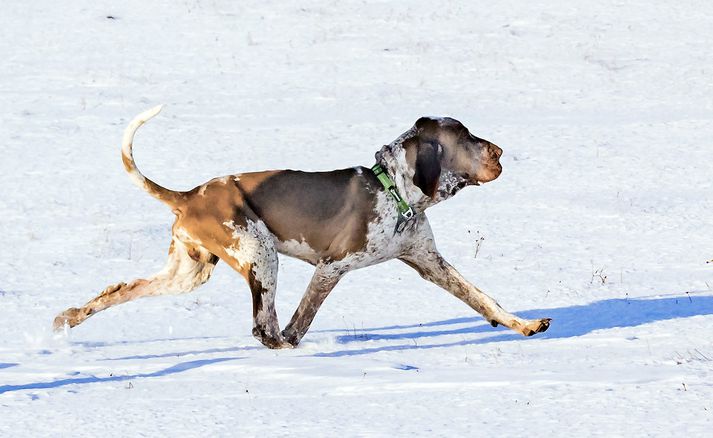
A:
(337, 221)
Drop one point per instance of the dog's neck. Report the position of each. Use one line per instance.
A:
(392, 158)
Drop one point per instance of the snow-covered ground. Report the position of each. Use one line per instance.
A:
(601, 219)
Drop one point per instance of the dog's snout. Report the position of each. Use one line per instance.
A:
(496, 150)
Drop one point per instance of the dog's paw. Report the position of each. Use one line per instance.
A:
(276, 343)
(70, 318)
(536, 326)
(291, 337)
(283, 344)
(271, 341)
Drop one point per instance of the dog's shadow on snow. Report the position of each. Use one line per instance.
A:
(567, 322)
(180, 367)
(173, 369)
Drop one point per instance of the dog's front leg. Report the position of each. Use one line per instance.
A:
(322, 283)
(434, 268)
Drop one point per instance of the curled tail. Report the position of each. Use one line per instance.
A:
(163, 194)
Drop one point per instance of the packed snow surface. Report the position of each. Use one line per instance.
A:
(601, 220)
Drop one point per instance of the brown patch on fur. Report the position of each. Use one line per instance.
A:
(169, 197)
(128, 163)
(256, 289)
(329, 211)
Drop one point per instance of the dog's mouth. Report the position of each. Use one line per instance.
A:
(468, 181)
(455, 189)
(487, 174)
(472, 181)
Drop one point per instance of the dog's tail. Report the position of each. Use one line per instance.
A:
(163, 194)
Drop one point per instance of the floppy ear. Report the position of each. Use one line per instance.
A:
(428, 167)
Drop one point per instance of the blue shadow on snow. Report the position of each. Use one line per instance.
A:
(185, 353)
(567, 322)
(95, 344)
(178, 368)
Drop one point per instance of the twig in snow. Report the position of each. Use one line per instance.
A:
(598, 273)
(478, 242)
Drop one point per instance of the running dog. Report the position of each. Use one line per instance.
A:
(337, 221)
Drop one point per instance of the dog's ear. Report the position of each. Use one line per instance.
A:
(428, 167)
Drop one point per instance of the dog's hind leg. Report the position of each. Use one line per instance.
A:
(253, 254)
(188, 267)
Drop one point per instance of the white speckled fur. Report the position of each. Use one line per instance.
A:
(382, 241)
(393, 157)
(254, 246)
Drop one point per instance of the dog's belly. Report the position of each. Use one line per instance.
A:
(299, 250)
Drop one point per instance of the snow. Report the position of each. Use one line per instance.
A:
(600, 220)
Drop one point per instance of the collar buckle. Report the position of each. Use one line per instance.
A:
(405, 210)
(408, 214)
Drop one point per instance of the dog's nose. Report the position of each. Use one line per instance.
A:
(497, 150)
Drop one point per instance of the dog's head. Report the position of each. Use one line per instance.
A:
(440, 157)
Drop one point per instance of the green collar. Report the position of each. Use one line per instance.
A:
(405, 210)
